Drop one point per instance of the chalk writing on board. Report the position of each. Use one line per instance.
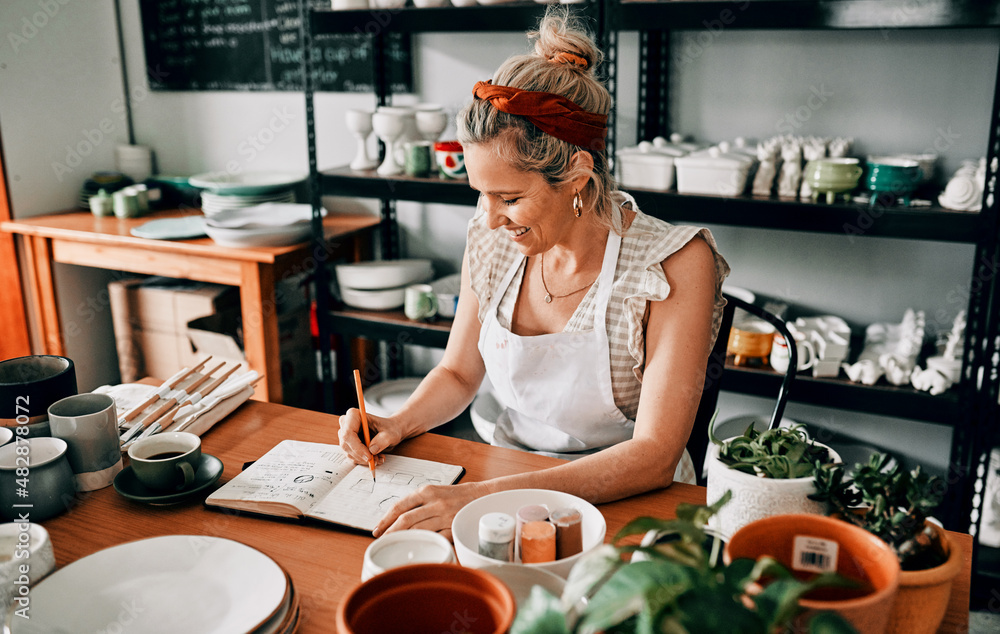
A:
(256, 45)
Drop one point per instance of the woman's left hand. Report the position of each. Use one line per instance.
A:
(431, 507)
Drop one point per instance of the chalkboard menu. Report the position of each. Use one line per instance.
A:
(256, 45)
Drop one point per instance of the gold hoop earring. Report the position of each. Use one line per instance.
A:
(577, 204)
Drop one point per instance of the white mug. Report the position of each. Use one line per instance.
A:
(779, 353)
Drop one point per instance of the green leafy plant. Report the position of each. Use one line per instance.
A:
(680, 586)
(782, 452)
(887, 501)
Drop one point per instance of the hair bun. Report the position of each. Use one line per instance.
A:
(567, 57)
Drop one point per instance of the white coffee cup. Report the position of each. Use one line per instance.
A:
(779, 353)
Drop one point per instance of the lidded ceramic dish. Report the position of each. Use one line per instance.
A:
(647, 166)
(713, 172)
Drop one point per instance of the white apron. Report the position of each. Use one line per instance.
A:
(556, 388)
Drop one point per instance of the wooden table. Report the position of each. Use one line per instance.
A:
(83, 239)
(324, 561)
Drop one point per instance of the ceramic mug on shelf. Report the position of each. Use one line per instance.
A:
(166, 461)
(418, 158)
(89, 425)
(420, 302)
(779, 353)
(450, 159)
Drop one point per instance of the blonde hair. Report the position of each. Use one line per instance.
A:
(549, 69)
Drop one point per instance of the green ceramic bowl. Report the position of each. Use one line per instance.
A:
(832, 174)
(893, 175)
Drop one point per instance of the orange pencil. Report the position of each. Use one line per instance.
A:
(364, 420)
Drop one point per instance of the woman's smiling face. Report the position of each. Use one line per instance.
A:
(534, 214)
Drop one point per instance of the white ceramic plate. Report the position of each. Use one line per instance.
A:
(265, 215)
(259, 237)
(171, 228)
(385, 299)
(385, 398)
(247, 183)
(182, 583)
(383, 274)
(740, 293)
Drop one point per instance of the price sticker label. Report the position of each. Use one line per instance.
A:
(814, 554)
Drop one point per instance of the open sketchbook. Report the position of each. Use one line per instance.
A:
(308, 479)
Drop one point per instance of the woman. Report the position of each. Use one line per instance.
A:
(593, 321)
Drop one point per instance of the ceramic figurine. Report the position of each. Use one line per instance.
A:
(814, 148)
(791, 170)
(840, 147)
(899, 363)
(964, 192)
(944, 370)
(890, 350)
(763, 180)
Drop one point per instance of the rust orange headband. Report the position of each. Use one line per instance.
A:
(552, 114)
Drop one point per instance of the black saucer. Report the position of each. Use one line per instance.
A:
(208, 473)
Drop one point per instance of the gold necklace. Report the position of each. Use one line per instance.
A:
(549, 296)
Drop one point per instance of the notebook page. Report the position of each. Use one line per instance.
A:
(358, 502)
(293, 472)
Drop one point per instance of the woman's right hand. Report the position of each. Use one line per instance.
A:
(385, 434)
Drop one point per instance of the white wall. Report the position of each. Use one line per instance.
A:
(61, 114)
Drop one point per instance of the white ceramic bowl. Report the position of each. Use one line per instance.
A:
(402, 548)
(465, 526)
(521, 579)
(383, 274)
(260, 237)
(380, 299)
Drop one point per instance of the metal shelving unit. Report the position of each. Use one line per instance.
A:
(970, 408)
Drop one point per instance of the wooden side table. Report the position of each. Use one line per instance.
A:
(81, 238)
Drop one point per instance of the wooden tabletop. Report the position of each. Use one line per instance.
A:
(324, 561)
(83, 226)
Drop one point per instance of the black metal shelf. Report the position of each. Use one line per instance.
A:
(808, 14)
(515, 17)
(879, 399)
(390, 325)
(931, 223)
(883, 399)
(343, 181)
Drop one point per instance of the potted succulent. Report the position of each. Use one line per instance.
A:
(895, 504)
(769, 472)
(680, 585)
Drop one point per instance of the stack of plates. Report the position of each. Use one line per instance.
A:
(267, 225)
(224, 191)
(183, 583)
(380, 285)
(212, 204)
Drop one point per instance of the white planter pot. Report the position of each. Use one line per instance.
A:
(755, 498)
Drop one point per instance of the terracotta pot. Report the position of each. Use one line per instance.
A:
(860, 556)
(923, 594)
(756, 498)
(429, 598)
